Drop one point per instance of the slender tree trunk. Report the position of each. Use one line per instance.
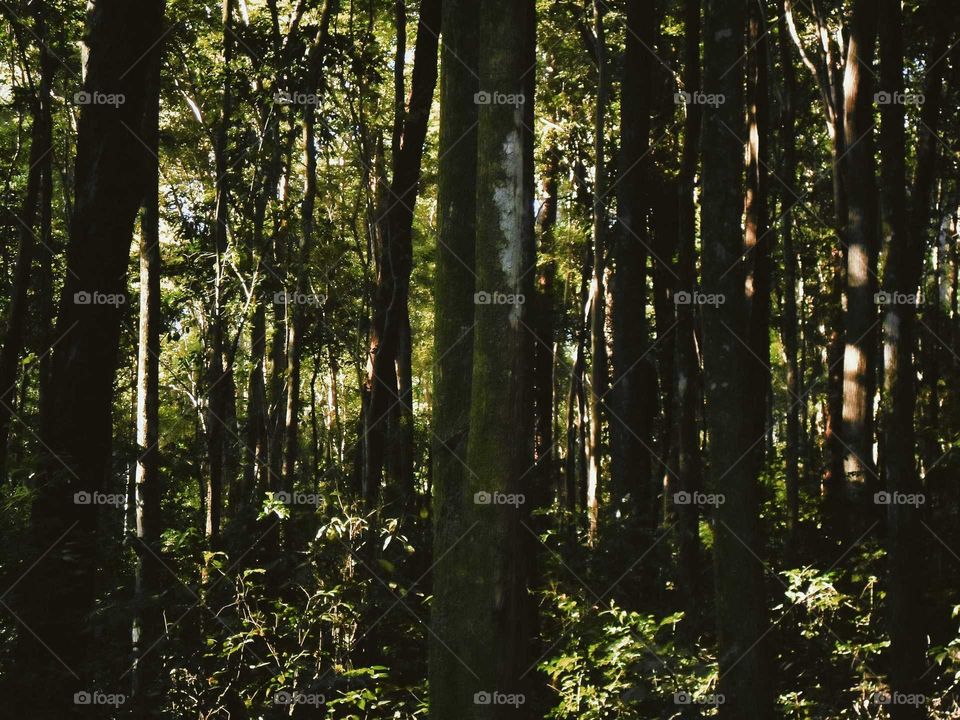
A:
(295, 310)
(37, 192)
(217, 384)
(632, 414)
(789, 328)
(758, 238)
(111, 169)
(862, 246)
(687, 379)
(451, 685)
(390, 311)
(148, 621)
(598, 343)
(905, 240)
(545, 346)
(741, 609)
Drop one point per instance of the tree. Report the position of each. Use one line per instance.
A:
(148, 622)
(862, 247)
(741, 610)
(38, 198)
(110, 186)
(389, 364)
(687, 365)
(632, 410)
(453, 509)
(598, 296)
(905, 232)
(789, 325)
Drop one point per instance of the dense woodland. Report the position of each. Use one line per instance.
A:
(479, 359)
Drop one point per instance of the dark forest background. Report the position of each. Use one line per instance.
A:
(479, 359)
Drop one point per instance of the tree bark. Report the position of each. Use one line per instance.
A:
(390, 310)
(859, 360)
(758, 238)
(217, 383)
(687, 366)
(598, 295)
(148, 620)
(631, 419)
(905, 231)
(451, 693)
(789, 328)
(111, 169)
(741, 609)
(37, 198)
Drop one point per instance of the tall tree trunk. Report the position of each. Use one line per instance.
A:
(758, 238)
(790, 324)
(905, 240)
(598, 343)
(148, 620)
(111, 169)
(741, 610)
(545, 346)
(295, 310)
(862, 245)
(632, 414)
(37, 194)
(217, 384)
(451, 693)
(500, 449)
(390, 311)
(687, 380)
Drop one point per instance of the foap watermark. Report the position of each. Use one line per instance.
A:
(298, 298)
(498, 498)
(95, 297)
(86, 697)
(897, 698)
(898, 98)
(686, 698)
(898, 498)
(698, 298)
(98, 498)
(99, 98)
(699, 499)
(297, 498)
(498, 298)
(284, 97)
(498, 698)
(712, 100)
(897, 298)
(493, 97)
(293, 697)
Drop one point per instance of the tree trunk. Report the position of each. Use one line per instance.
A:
(148, 620)
(905, 240)
(111, 169)
(451, 685)
(545, 346)
(758, 238)
(790, 325)
(862, 245)
(598, 343)
(741, 610)
(217, 384)
(390, 311)
(37, 195)
(500, 449)
(295, 309)
(632, 414)
(687, 366)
